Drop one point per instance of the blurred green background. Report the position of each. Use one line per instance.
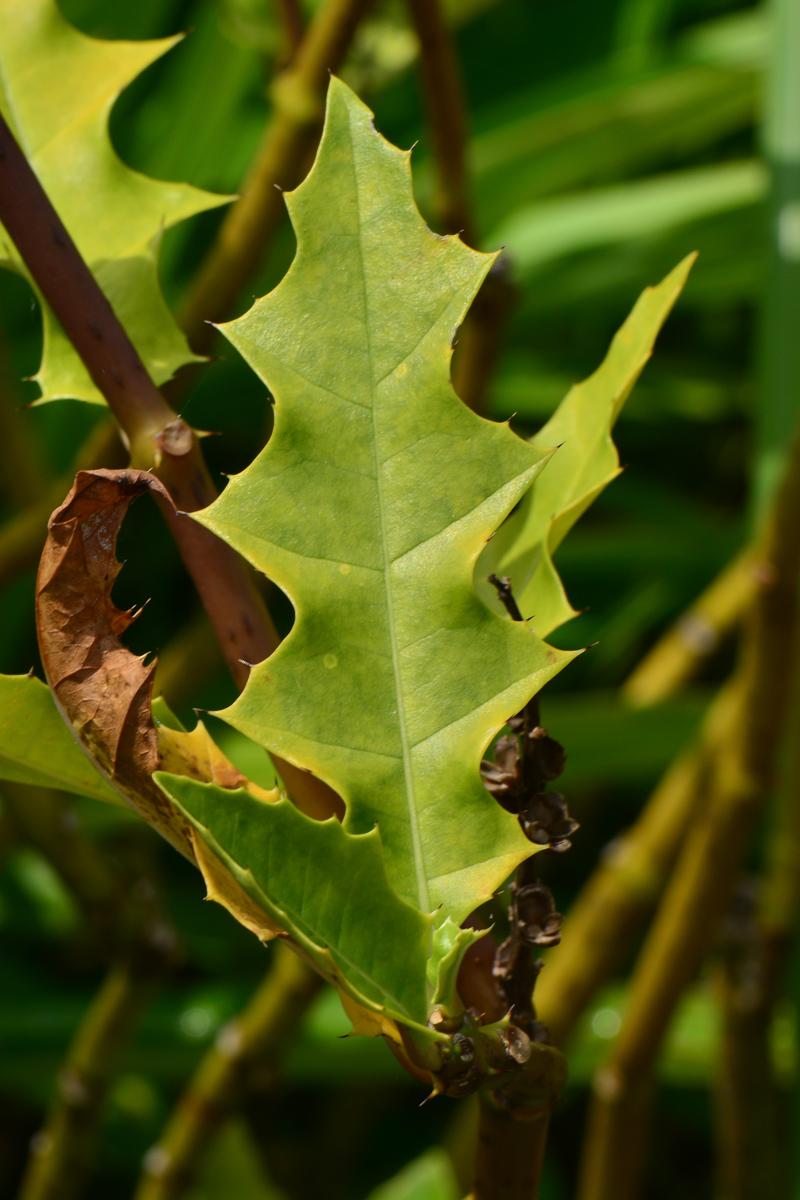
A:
(608, 139)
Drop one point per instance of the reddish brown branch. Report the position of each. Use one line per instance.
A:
(447, 115)
(158, 438)
(293, 24)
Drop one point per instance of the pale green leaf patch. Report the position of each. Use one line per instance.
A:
(326, 887)
(38, 747)
(584, 464)
(57, 88)
(369, 507)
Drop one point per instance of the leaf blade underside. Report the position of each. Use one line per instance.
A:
(378, 490)
(57, 88)
(37, 747)
(584, 464)
(325, 887)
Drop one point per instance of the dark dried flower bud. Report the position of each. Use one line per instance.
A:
(534, 912)
(503, 777)
(546, 821)
(550, 755)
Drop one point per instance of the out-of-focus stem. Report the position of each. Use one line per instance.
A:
(748, 1157)
(619, 897)
(447, 115)
(753, 1153)
(257, 1037)
(62, 1152)
(292, 21)
(481, 335)
(510, 1154)
(683, 649)
(142, 945)
(42, 819)
(701, 886)
(298, 97)
(480, 339)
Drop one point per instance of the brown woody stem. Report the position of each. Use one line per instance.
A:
(447, 115)
(481, 335)
(158, 438)
(298, 97)
(255, 1038)
(292, 20)
(702, 884)
(510, 1154)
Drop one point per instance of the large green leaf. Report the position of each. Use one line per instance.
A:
(369, 507)
(324, 886)
(57, 88)
(585, 463)
(37, 746)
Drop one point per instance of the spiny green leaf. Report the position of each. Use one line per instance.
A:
(57, 88)
(36, 745)
(585, 463)
(324, 886)
(369, 507)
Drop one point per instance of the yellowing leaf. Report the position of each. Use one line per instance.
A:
(57, 88)
(369, 507)
(585, 463)
(325, 887)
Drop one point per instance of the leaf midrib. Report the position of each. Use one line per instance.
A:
(423, 895)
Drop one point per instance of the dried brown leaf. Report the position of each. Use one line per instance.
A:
(103, 690)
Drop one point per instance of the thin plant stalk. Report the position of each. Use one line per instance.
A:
(619, 897)
(255, 1039)
(444, 93)
(62, 1153)
(481, 335)
(681, 652)
(753, 1151)
(702, 883)
(298, 97)
(141, 945)
(510, 1154)
(158, 438)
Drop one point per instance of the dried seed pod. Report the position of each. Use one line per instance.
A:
(546, 821)
(534, 915)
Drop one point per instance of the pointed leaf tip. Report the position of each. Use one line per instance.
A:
(395, 676)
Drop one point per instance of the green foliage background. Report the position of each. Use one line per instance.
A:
(610, 138)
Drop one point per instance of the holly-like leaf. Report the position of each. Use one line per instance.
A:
(326, 887)
(585, 463)
(369, 507)
(57, 88)
(37, 747)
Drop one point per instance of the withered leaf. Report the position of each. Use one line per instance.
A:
(102, 689)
